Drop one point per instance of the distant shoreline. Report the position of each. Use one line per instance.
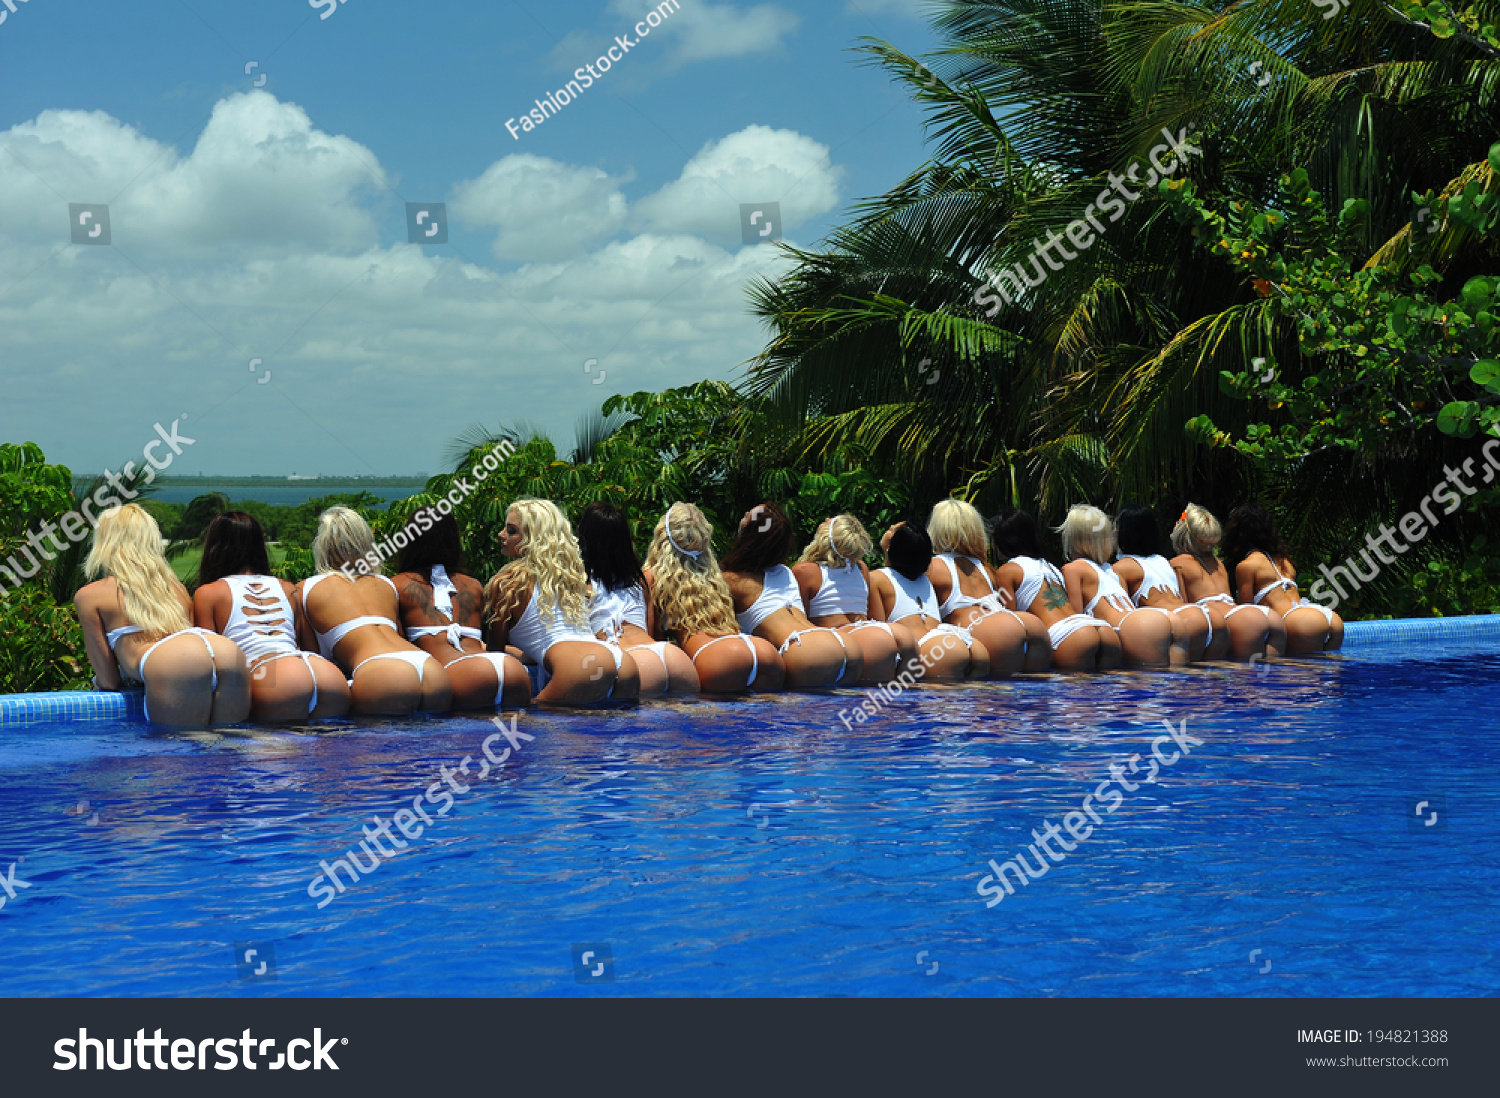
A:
(416, 484)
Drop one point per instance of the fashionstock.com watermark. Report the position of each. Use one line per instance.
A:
(1412, 528)
(423, 521)
(1111, 200)
(878, 699)
(585, 76)
(998, 886)
(77, 525)
(406, 819)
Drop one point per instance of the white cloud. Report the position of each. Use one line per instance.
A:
(757, 164)
(380, 354)
(544, 209)
(709, 32)
(261, 177)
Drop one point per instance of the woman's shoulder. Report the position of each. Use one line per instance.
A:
(93, 594)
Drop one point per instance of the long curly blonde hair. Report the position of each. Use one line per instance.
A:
(550, 561)
(841, 541)
(127, 547)
(690, 593)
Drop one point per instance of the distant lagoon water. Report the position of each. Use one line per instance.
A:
(289, 494)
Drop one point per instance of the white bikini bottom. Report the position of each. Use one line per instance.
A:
(201, 634)
(754, 659)
(418, 661)
(497, 659)
(306, 662)
(1061, 631)
(800, 633)
(947, 629)
(659, 650)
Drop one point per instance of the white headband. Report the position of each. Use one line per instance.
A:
(685, 552)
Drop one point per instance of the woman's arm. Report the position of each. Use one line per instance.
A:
(1008, 578)
(1244, 578)
(1131, 574)
(307, 639)
(942, 582)
(101, 659)
(1076, 573)
(211, 607)
(648, 588)
(882, 597)
(809, 582)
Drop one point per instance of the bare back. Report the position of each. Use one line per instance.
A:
(101, 610)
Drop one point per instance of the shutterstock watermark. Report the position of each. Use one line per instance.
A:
(585, 76)
(77, 525)
(877, 699)
(1111, 200)
(329, 886)
(423, 521)
(997, 886)
(1412, 528)
(9, 8)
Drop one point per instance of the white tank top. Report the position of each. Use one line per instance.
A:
(844, 591)
(957, 600)
(1157, 575)
(532, 636)
(1111, 590)
(779, 591)
(610, 611)
(912, 597)
(1035, 574)
(260, 621)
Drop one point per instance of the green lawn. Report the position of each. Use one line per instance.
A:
(186, 566)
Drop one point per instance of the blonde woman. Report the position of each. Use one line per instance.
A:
(903, 595)
(1148, 578)
(968, 597)
(137, 625)
(768, 603)
(354, 620)
(540, 603)
(835, 587)
(692, 602)
(1088, 542)
(1240, 631)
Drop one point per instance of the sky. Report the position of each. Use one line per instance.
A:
(257, 162)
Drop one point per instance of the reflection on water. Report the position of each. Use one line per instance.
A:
(757, 846)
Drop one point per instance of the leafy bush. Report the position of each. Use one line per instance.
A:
(41, 644)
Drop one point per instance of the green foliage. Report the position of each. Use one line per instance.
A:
(41, 644)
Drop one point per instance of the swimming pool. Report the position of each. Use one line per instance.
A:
(757, 847)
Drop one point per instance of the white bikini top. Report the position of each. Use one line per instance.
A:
(443, 590)
(1157, 574)
(260, 621)
(957, 600)
(779, 592)
(327, 641)
(1280, 582)
(532, 636)
(1035, 575)
(610, 611)
(1111, 590)
(112, 638)
(844, 591)
(913, 597)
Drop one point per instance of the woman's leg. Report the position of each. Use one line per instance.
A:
(1189, 635)
(1004, 639)
(281, 690)
(584, 672)
(880, 651)
(232, 693)
(1306, 631)
(1038, 644)
(1111, 649)
(1078, 652)
(1249, 632)
(1147, 639)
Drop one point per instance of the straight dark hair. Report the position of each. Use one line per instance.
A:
(439, 543)
(1250, 530)
(608, 553)
(911, 549)
(1013, 533)
(232, 544)
(1136, 532)
(763, 542)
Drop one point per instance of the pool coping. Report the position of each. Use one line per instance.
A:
(90, 706)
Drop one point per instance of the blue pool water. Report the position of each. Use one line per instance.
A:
(758, 847)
